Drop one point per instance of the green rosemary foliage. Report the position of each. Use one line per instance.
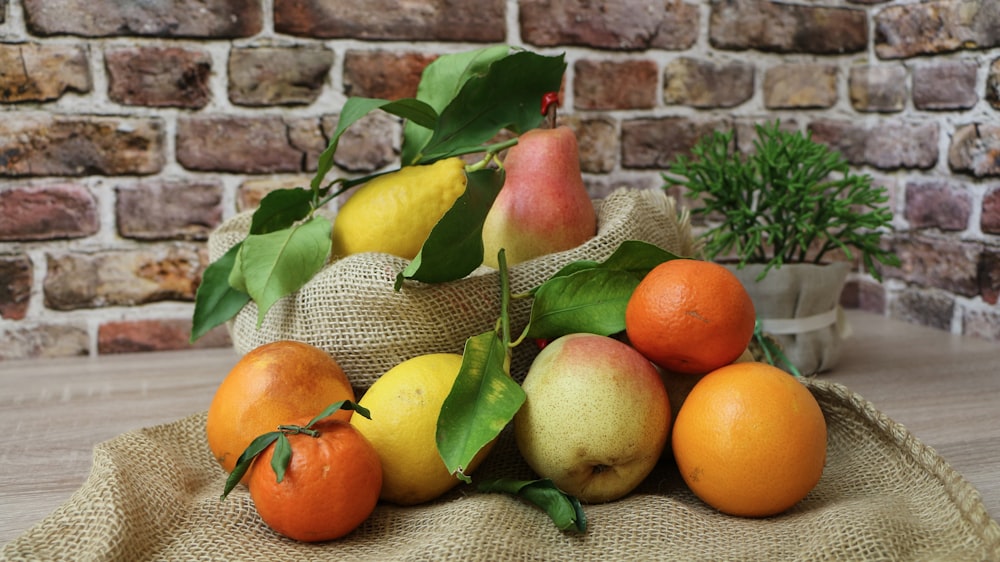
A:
(791, 200)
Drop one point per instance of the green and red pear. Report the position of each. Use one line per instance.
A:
(543, 206)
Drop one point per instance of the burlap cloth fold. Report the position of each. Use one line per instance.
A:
(153, 494)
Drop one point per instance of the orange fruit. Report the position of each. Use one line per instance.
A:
(690, 316)
(270, 385)
(330, 487)
(750, 440)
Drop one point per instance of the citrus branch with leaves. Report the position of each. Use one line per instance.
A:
(463, 101)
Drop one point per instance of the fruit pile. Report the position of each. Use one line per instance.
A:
(599, 414)
(643, 361)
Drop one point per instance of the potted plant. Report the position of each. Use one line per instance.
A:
(788, 217)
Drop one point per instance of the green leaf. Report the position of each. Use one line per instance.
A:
(281, 209)
(281, 457)
(243, 463)
(236, 279)
(279, 263)
(440, 82)
(586, 296)
(591, 300)
(481, 403)
(454, 248)
(341, 405)
(509, 96)
(354, 109)
(635, 256)
(571, 268)
(216, 300)
(564, 510)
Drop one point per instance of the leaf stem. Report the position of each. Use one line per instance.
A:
(491, 152)
(294, 429)
(504, 298)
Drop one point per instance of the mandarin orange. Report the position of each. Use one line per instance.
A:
(331, 484)
(690, 316)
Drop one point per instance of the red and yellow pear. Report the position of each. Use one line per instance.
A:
(543, 206)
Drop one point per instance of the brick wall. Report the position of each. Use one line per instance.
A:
(130, 130)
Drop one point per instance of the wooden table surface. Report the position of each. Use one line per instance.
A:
(945, 389)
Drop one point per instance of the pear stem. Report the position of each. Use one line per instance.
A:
(550, 102)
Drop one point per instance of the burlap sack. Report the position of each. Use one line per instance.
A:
(798, 306)
(153, 494)
(351, 310)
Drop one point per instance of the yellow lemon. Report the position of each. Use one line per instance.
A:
(404, 404)
(395, 213)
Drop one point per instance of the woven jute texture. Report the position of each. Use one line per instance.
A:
(153, 494)
(351, 310)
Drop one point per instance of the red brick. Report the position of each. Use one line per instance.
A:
(250, 192)
(309, 137)
(35, 341)
(989, 220)
(706, 84)
(950, 265)
(228, 143)
(627, 84)
(655, 143)
(217, 19)
(47, 212)
(123, 278)
(993, 84)
(983, 324)
(936, 26)
(260, 76)
(130, 336)
(41, 72)
(746, 132)
(945, 85)
(938, 204)
(184, 210)
(800, 86)
(879, 88)
(787, 28)
(36, 144)
(16, 273)
(636, 25)
(863, 295)
(927, 307)
(975, 149)
(432, 20)
(989, 275)
(597, 140)
(387, 75)
(887, 146)
(374, 141)
(159, 76)
(599, 187)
